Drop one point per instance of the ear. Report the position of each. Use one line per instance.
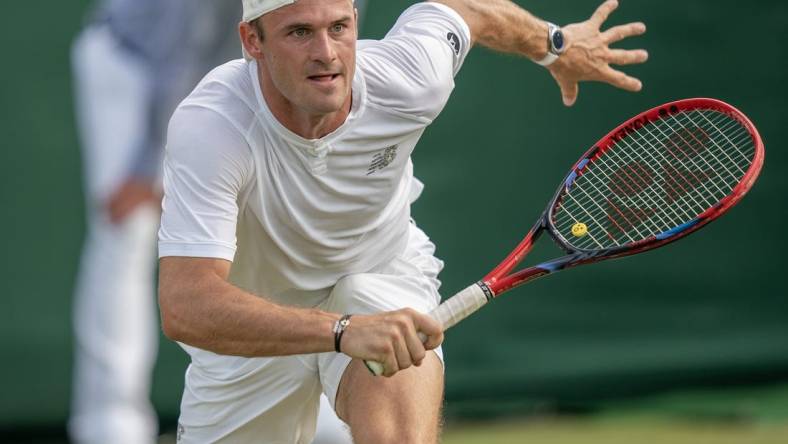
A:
(251, 41)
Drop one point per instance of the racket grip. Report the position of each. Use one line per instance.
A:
(449, 313)
(460, 306)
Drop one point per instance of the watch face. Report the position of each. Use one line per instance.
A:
(558, 41)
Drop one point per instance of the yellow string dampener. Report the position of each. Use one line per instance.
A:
(579, 229)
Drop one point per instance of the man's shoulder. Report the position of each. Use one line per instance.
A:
(403, 85)
(411, 70)
(227, 92)
(229, 83)
(231, 70)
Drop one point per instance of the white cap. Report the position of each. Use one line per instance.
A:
(255, 8)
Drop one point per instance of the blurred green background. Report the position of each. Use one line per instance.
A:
(697, 329)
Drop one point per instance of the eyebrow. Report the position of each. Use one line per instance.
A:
(294, 26)
(300, 25)
(346, 18)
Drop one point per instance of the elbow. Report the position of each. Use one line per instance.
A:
(169, 326)
(186, 288)
(172, 316)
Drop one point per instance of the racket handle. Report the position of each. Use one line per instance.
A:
(460, 306)
(449, 313)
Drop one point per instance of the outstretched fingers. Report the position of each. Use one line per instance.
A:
(627, 57)
(603, 12)
(589, 56)
(620, 32)
(569, 91)
(620, 80)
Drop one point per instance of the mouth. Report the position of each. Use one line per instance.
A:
(323, 78)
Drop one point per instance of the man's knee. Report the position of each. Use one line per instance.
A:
(393, 432)
(394, 428)
(403, 408)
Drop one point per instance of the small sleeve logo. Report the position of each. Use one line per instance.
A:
(454, 41)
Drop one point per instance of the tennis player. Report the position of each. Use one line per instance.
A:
(288, 184)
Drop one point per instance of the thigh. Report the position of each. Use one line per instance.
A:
(367, 293)
(406, 407)
(403, 408)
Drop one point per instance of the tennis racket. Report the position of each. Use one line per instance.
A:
(656, 178)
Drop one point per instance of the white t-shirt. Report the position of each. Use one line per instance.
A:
(295, 215)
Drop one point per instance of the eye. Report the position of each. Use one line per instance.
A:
(337, 28)
(300, 32)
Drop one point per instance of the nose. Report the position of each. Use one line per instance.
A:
(322, 49)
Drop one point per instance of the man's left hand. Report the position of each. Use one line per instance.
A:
(588, 55)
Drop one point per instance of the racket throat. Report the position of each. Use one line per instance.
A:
(537, 271)
(516, 256)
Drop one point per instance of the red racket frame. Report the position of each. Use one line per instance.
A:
(499, 280)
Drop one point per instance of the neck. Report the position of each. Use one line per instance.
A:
(306, 124)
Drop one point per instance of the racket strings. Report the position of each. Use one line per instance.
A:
(634, 215)
(690, 138)
(621, 186)
(655, 178)
(623, 183)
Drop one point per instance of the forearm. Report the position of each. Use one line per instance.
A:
(200, 308)
(503, 26)
(212, 314)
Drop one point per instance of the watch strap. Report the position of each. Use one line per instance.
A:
(551, 55)
(548, 59)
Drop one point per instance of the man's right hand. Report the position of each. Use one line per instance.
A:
(392, 338)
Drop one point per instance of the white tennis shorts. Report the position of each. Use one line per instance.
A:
(276, 400)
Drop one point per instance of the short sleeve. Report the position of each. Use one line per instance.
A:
(412, 69)
(207, 164)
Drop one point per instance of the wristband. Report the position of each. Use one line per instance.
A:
(339, 329)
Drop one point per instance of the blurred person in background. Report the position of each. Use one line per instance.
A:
(134, 61)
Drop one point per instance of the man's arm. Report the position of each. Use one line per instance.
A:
(200, 308)
(503, 26)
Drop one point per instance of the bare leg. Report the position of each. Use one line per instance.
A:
(403, 408)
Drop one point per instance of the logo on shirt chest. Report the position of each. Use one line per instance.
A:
(382, 159)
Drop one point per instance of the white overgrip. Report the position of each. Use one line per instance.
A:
(459, 306)
(449, 313)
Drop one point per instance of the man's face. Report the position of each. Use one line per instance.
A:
(309, 54)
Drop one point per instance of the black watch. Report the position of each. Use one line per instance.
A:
(556, 44)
